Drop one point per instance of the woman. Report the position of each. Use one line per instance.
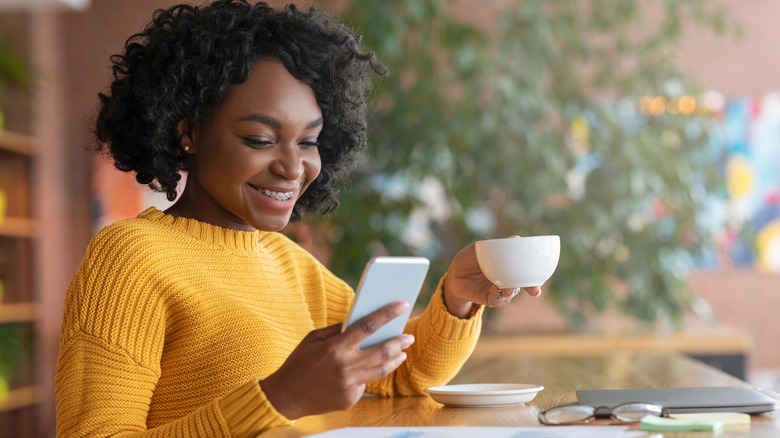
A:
(203, 320)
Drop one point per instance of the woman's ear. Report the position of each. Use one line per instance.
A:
(186, 137)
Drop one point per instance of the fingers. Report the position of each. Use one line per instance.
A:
(359, 390)
(328, 370)
(380, 360)
(389, 351)
(371, 323)
(385, 368)
(384, 358)
(500, 297)
(323, 333)
(533, 291)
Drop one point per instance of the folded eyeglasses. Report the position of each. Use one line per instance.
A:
(624, 413)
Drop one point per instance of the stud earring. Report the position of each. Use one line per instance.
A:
(186, 148)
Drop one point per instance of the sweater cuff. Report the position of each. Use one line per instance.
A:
(248, 411)
(449, 325)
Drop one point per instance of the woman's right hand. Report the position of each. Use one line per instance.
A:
(328, 371)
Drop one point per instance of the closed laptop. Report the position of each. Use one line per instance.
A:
(680, 400)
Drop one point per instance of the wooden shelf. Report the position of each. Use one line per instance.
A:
(19, 143)
(17, 312)
(17, 227)
(19, 398)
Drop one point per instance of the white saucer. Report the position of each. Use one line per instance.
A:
(484, 394)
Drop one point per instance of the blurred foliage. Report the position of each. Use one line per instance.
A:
(531, 125)
(14, 72)
(15, 344)
(13, 68)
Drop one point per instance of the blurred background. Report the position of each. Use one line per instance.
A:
(646, 134)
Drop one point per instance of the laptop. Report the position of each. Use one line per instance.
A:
(683, 400)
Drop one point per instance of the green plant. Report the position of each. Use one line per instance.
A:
(13, 73)
(530, 126)
(15, 342)
(13, 68)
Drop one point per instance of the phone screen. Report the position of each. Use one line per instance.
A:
(386, 280)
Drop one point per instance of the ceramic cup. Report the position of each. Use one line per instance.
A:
(519, 261)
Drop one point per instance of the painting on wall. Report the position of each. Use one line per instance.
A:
(748, 217)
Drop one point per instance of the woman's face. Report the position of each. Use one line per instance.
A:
(255, 155)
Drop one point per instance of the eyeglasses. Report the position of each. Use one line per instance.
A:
(625, 413)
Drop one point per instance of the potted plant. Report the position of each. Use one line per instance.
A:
(533, 123)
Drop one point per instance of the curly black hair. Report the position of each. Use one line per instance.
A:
(184, 63)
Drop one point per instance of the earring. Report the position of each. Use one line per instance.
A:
(186, 148)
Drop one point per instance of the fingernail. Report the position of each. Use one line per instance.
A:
(401, 307)
(407, 340)
(400, 358)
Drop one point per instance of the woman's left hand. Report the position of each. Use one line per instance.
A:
(466, 285)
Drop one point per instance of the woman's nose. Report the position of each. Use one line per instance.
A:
(288, 162)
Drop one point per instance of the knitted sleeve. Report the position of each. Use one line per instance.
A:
(111, 344)
(442, 344)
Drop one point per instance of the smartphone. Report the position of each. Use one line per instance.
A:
(386, 280)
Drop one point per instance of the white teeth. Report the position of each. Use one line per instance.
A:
(279, 196)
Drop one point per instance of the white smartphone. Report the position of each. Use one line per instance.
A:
(386, 280)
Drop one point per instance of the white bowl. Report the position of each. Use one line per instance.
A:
(519, 261)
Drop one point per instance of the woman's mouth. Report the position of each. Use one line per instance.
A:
(279, 196)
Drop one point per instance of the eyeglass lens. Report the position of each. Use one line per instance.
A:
(631, 412)
(628, 412)
(567, 414)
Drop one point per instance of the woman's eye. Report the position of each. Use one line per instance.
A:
(310, 143)
(257, 143)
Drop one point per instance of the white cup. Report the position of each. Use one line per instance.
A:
(519, 261)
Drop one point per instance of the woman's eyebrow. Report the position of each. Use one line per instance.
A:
(274, 122)
(260, 118)
(315, 123)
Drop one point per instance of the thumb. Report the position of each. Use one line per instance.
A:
(323, 334)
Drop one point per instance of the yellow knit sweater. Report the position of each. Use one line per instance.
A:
(169, 324)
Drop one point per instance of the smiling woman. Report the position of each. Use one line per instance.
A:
(189, 59)
(266, 132)
(203, 320)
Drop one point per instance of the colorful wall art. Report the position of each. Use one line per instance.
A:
(749, 216)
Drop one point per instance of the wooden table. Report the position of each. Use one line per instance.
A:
(560, 376)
